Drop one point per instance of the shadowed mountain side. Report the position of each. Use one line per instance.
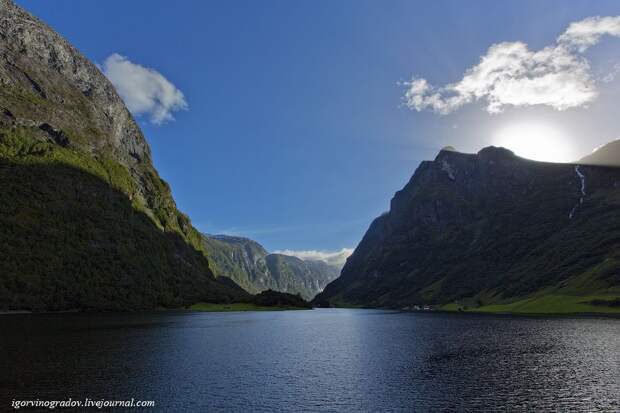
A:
(272, 298)
(69, 240)
(115, 240)
(488, 228)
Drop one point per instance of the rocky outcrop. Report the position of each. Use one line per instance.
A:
(37, 62)
(51, 89)
(485, 227)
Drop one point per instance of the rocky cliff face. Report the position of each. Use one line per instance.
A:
(487, 228)
(51, 90)
(86, 220)
(49, 85)
(239, 259)
(248, 264)
(291, 274)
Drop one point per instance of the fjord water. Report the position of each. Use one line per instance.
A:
(322, 360)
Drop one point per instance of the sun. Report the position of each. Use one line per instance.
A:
(537, 141)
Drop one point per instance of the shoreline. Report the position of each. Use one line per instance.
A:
(243, 307)
(213, 308)
(491, 313)
(532, 314)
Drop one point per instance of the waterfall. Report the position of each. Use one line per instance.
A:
(582, 178)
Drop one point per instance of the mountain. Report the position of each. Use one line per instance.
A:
(492, 232)
(606, 155)
(249, 265)
(86, 220)
(291, 274)
(239, 259)
(324, 273)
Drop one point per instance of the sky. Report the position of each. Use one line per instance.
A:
(293, 123)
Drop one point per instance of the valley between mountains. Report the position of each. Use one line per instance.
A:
(87, 223)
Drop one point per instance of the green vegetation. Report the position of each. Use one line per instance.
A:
(546, 304)
(491, 232)
(586, 293)
(86, 221)
(553, 304)
(73, 236)
(249, 265)
(211, 307)
(240, 259)
(451, 307)
(280, 299)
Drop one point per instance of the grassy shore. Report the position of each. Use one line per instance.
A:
(545, 304)
(211, 307)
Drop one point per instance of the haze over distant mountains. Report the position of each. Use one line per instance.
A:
(606, 155)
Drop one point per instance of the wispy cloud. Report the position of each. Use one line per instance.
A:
(335, 258)
(510, 74)
(611, 75)
(144, 90)
(586, 33)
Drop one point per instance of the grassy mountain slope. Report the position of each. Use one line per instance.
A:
(490, 229)
(72, 239)
(86, 220)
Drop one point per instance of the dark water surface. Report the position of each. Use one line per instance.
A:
(321, 360)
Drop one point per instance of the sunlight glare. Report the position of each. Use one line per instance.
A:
(536, 141)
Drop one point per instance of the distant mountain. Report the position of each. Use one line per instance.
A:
(239, 259)
(606, 155)
(253, 268)
(294, 275)
(494, 232)
(86, 221)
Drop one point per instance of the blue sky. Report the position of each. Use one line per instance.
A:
(296, 132)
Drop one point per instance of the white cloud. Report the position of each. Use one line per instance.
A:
(585, 33)
(144, 90)
(335, 258)
(510, 74)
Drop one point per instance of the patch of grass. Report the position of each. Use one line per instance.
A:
(212, 307)
(429, 292)
(451, 307)
(553, 304)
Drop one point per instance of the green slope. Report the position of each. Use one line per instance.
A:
(491, 231)
(86, 222)
(72, 238)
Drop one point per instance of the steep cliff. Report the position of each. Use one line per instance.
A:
(291, 274)
(240, 259)
(489, 228)
(86, 220)
(248, 264)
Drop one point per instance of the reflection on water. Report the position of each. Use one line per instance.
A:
(321, 360)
